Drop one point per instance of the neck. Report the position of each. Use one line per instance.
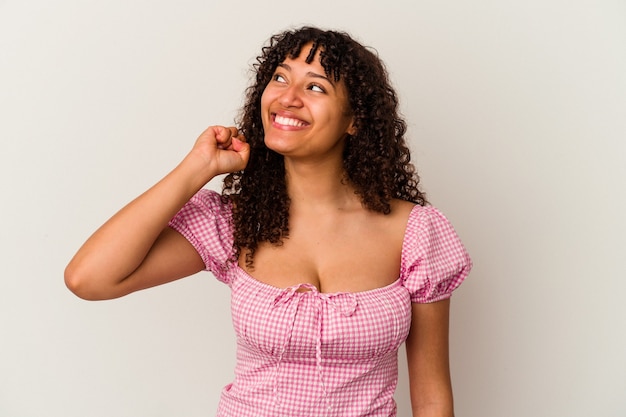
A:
(319, 186)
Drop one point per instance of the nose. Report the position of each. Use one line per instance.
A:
(290, 97)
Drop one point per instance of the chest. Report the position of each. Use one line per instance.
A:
(294, 323)
(347, 256)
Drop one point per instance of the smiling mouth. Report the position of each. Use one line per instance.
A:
(288, 121)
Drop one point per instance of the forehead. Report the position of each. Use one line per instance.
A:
(313, 55)
(306, 53)
(299, 64)
(313, 52)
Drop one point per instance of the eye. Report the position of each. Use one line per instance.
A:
(317, 88)
(278, 78)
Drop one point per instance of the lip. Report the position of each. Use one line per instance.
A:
(289, 121)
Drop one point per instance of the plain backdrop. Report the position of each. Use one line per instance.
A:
(517, 121)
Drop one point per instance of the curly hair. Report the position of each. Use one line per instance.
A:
(376, 158)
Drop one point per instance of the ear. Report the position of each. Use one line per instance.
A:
(351, 128)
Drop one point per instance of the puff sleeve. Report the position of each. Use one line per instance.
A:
(206, 222)
(434, 261)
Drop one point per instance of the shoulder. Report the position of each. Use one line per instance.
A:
(414, 217)
(207, 204)
(402, 211)
(392, 224)
(211, 199)
(401, 207)
(205, 214)
(206, 222)
(434, 260)
(426, 221)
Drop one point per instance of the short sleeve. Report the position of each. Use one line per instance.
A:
(206, 222)
(434, 261)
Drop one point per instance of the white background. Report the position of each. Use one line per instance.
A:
(517, 115)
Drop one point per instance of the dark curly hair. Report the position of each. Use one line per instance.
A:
(376, 158)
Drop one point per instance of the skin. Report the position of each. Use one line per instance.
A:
(135, 249)
(334, 242)
(316, 107)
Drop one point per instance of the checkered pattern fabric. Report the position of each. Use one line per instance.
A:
(305, 353)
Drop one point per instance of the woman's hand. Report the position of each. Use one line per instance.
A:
(222, 150)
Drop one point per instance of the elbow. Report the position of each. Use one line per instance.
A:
(80, 283)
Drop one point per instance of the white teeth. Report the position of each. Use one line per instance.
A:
(288, 121)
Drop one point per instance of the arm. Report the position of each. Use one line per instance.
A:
(427, 356)
(135, 249)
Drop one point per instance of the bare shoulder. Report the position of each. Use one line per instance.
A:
(401, 207)
(393, 224)
(400, 212)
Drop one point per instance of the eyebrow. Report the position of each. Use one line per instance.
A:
(309, 74)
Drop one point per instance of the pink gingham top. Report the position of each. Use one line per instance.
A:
(306, 353)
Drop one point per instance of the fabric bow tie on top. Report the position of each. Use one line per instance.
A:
(344, 302)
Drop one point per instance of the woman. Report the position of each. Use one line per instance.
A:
(332, 255)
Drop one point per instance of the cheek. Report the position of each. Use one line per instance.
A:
(268, 97)
(333, 117)
(264, 100)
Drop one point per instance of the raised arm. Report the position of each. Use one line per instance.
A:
(135, 249)
(427, 357)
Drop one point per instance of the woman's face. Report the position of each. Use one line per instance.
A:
(305, 114)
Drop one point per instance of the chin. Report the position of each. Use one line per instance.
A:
(281, 150)
(278, 144)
